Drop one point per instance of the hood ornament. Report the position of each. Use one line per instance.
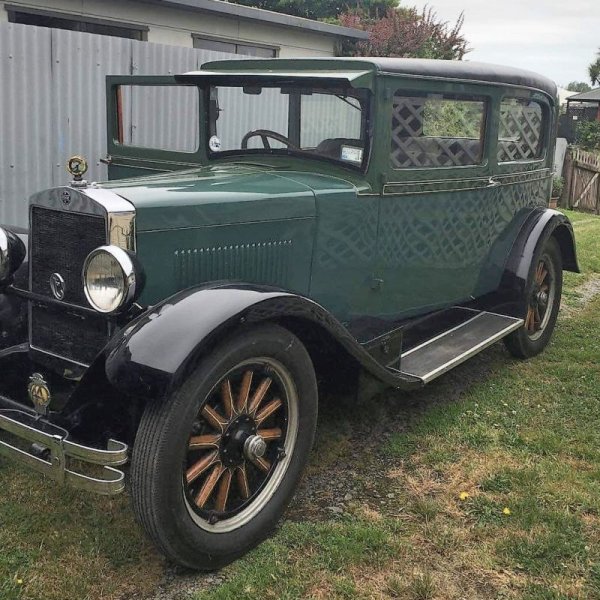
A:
(77, 166)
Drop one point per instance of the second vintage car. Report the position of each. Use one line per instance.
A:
(268, 224)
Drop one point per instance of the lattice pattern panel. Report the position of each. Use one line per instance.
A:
(412, 148)
(417, 231)
(520, 134)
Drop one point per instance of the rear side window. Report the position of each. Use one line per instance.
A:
(437, 130)
(521, 128)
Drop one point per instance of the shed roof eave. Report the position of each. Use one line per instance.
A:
(249, 13)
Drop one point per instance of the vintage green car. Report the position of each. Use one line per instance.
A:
(267, 226)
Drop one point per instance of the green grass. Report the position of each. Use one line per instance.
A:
(521, 436)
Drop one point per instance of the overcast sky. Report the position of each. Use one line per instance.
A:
(557, 38)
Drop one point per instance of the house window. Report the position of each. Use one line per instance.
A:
(435, 130)
(218, 45)
(41, 18)
(520, 135)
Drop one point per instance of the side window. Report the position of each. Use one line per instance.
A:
(436, 130)
(520, 135)
(160, 117)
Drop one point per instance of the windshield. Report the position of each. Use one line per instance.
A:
(325, 123)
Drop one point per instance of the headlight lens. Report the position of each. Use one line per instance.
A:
(4, 256)
(110, 280)
(12, 254)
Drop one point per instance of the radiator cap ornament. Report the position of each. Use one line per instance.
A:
(77, 166)
(39, 393)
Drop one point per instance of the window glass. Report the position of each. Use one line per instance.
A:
(328, 123)
(234, 48)
(520, 131)
(71, 24)
(437, 130)
(159, 117)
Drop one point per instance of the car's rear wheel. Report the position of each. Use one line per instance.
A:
(214, 467)
(543, 294)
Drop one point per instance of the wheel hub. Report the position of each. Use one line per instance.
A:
(233, 443)
(254, 447)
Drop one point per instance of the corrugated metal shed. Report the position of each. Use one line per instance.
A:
(53, 103)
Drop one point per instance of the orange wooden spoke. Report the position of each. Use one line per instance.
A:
(262, 463)
(538, 319)
(259, 395)
(196, 470)
(529, 319)
(269, 434)
(268, 410)
(227, 398)
(244, 391)
(538, 272)
(209, 485)
(223, 493)
(200, 442)
(543, 275)
(242, 480)
(215, 418)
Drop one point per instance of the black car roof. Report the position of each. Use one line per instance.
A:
(413, 67)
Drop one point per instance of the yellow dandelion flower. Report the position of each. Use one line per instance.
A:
(506, 510)
(463, 495)
(19, 582)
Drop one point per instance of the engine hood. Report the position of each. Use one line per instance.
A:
(229, 193)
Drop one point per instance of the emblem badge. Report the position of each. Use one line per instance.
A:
(58, 286)
(39, 393)
(66, 197)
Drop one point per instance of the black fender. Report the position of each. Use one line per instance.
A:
(153, 354)
(538, 227)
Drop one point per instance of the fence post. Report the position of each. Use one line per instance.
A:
(565, 197)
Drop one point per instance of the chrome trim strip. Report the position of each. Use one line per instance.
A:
(27, 427)
(120, 217)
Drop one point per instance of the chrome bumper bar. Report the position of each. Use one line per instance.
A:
(60, 453)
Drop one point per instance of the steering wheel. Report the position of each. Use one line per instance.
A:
(264, 135)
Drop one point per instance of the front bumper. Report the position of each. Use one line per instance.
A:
(59, 458)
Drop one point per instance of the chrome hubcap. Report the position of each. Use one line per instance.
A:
(254, 447)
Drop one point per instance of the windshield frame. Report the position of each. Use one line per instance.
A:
(363, 95)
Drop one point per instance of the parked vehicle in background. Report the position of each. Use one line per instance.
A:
(379, 215)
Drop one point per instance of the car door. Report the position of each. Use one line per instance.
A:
(436, 221)
(153, 125)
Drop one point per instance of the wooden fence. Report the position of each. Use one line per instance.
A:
(582, 181)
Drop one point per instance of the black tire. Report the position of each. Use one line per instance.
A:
(534, 336)
(162, 496)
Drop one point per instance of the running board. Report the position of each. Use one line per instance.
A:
(447, 350)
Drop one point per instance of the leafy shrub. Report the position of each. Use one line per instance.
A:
(558, 184)
(587, 135)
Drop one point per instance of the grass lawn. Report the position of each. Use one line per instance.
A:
(486, 484)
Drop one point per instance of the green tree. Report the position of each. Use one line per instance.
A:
(406, 32)
(321, 9)
(578, 86)
(594, 71)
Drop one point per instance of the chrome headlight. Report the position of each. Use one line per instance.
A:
(111, 280)
(12, 254)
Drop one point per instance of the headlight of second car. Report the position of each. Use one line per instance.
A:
(12, 254)
(111, 279)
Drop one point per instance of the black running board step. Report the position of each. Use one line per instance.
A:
(447, 350)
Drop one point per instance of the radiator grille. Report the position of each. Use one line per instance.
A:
(60, 243)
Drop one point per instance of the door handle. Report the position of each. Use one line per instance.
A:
(493, 183)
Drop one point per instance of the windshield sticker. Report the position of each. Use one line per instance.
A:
(351, 154)
(214, 144)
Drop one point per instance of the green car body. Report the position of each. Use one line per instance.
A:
(396, 230)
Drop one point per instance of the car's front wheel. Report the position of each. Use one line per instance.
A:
(214, 467)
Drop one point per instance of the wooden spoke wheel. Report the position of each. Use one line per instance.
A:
(542, 299)
(240, 439)
(215, 464)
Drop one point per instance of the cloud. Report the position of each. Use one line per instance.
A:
(556, 38)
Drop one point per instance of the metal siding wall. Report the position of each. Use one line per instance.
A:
(81, 63)
(25, 119)
(53, 103)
